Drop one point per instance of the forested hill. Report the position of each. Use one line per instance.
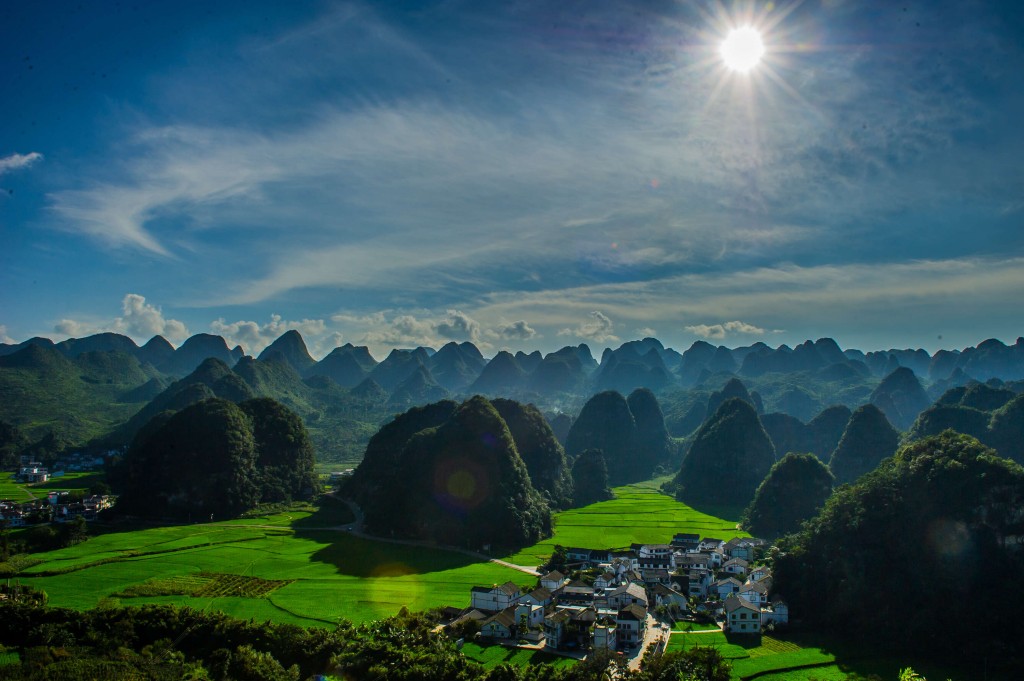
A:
(454, 474)
(99, 389)
(891, 556)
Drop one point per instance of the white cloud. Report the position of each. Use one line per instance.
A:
(599, 328)
(18, 161)
(254, 337)
(139, 320)
(4, 338)
(646, 332)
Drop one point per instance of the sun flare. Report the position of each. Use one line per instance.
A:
(742, 49)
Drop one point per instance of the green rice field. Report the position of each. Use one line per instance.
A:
(68, 481)
(638, 513)
(293, 566)
(329, 575)
(10, 488)
(805, 657)
(326, 575)
(492, 656)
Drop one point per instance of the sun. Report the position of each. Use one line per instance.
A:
(742, 49)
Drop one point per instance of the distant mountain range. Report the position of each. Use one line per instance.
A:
(98, 388)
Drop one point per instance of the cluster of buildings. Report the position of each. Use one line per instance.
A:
(57, 507)
(611, 605)
(31, 472)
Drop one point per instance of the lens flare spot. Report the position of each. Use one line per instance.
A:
(393, 586)
(461, 485)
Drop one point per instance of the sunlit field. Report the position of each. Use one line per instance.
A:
(638, 513)
(330, 575)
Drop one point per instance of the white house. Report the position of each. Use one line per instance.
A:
(553, 580)
(631, 623)
(736, 566)
(501, 625)
(686, 541)
(742, 616)
(755, 592)
(528, 615)
(726, 587)
(759, 573)
(710, 544)
(667, 596)
(554, 628)
(654, 551)
(495, 598)
(539, 596)
(777, 612)
(605, 580)
(605, 635)
(630, 594)
(699, 582)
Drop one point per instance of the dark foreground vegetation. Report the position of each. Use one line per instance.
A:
(164, 642)
(924, 552)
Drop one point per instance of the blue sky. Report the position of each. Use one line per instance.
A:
(524, 175)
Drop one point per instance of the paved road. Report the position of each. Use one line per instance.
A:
(652, 634)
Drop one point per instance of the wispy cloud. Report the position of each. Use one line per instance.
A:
(18, 161)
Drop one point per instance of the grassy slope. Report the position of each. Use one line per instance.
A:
(638, 513)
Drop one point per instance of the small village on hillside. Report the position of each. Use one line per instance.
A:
(54, 505)
(624, 600)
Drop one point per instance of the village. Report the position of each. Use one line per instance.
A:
(57, 505)
(625, 601)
